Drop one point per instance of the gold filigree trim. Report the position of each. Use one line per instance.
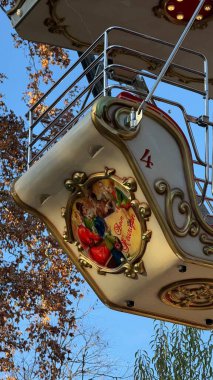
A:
(90, 227)
(208, 249)
(152, 63)
(55, 24)
(190, 226)
(189, 294)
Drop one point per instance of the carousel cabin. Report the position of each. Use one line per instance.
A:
(125, 188)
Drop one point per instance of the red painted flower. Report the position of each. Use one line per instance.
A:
(87, 237)
(100, 254)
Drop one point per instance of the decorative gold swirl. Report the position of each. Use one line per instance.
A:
(55, 24)
(190, 226)
(83, 262)
(208, 249)
(152, 64)
(78, 179)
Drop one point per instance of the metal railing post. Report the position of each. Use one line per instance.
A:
(206, 87)
(105, 76)
(206, 110)
(171, 57)
(206, 114)
(29, 152)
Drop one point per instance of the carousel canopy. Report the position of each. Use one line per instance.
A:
(75, 24)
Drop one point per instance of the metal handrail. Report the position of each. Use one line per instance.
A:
(140, 54)
(154, 39)
(52, 123)
(73, 121)
(90, 67)
(102, 58)
(87, 52)
(171, 57)
(106, 67)
(154, 76)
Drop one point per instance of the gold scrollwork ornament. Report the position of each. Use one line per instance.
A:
(190, 225)
(208, 249)
(57, 25)
(189, 294)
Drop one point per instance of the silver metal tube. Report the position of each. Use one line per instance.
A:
(87, 52)
(206, 112)
(153, 39)
(172, 55)
(82, 75)
(67, 108)
(148, 56)
(154, 76)
(212, 164)
(188, 125)
(64, 129)
(206, 87)
(105, 78)
(207, 165)
(29, 151)
(90, 90)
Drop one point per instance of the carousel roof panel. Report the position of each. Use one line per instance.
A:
(75, 24)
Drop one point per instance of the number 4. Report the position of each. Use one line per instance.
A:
(147, 159)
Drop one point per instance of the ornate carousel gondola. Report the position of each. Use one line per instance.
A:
(119, 183)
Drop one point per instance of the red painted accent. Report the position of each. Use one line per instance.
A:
(100, 254)
(87, 237)
(187, 8)
(147, 159)
(128, 96)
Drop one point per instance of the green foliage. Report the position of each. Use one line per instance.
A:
(177, 353)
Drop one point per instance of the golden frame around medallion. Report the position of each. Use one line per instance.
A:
(196, 294)
(78, 185)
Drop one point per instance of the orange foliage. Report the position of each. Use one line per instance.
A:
(38, 282)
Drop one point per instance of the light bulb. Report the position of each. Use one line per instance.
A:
(180, 16)
(171, 7)
(199, 17)
(207, 7)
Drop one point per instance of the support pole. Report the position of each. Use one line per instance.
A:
(169, 60)
(29, 153)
